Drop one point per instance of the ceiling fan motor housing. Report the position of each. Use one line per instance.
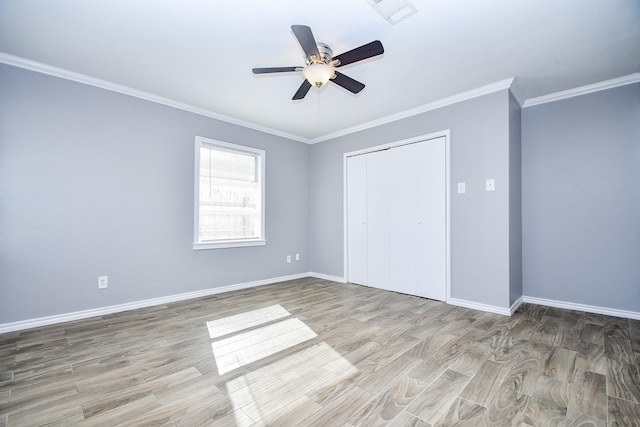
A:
(325, 53)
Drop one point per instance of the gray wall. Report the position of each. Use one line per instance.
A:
(480, 142)
(515, 201)
(580, 198)
(97, 183)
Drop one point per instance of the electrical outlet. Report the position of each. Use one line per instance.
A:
(297, 257)
(288, 259)
(103, 282)
(490, 185)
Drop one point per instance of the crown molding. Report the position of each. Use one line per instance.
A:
(517, 91)
(583, 90)
(464, 96)
(42, 68)
(39, 67)
(512, 84)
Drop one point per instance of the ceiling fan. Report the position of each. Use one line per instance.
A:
(320, 65)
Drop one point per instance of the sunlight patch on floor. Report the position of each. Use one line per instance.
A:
(264, 393)
(239, 322)
(248, 347)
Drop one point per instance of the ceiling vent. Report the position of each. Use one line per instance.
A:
(393, 11)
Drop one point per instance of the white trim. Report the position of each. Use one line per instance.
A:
(510, 84)
(583, 90)
(412, 140)
(345, 234)
(84, 314)
(464, 96)
(39, 67)
(447, 197)
(517, 92)
(583, 307)
(327, 277)
(42, 68)
(516, 305)
(446, 133)
(228, 244)
(479, 306)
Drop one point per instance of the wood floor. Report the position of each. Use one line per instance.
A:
(312, 352)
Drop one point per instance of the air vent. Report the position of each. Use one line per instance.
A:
(393, 11)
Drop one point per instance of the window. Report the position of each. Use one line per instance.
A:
(229, 195)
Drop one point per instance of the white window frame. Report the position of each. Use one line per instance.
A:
(230, 243)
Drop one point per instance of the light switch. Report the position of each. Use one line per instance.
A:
(462, 187)
(103, 282)
(490, 185)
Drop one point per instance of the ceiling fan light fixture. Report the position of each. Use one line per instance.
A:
(318, 74)
(320, 64)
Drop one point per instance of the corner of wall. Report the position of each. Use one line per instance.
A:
(515, 200)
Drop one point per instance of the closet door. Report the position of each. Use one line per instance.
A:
(396, 219)
(403, 205)
(378, 219)
(357, 219)
(417, 255)
(431, 245)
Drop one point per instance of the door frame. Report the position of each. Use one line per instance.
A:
(446, 133)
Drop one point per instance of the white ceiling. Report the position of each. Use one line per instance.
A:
(201, 52)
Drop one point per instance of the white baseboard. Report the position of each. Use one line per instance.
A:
(516, 305)
(583, 307)
(482, 307)
(327, 277)
(548, 302)
(84, 314)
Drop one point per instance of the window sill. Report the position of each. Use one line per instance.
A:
(228, 244)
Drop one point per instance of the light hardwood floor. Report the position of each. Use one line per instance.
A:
(312, 352)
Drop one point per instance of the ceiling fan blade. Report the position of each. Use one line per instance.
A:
(275, 70)
(302, 90)
(306, 40)
(348, 83)
(365, 51)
